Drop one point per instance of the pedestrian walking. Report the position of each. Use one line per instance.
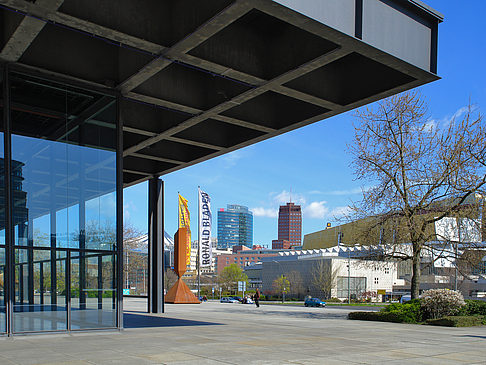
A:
(256, 298)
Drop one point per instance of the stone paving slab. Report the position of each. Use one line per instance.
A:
(216, 333)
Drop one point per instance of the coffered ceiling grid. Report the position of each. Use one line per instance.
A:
(256, 106)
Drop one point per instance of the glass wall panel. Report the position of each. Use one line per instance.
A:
(40, 291)
(93, 274)
(64, 192)
(3, 322)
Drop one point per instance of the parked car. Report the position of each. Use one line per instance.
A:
(228, 300)
(405, 298)
(314, 302)
(239, 299)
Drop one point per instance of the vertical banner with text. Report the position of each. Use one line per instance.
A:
(205, 222)
(185, 221)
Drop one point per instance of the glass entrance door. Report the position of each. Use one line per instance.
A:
(93, 294)
(40, 291)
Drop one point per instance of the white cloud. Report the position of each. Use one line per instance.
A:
(431, 125)
(460, 112)
(351, 191)
(128, 208)
(320, 210)
(316, 210)
(448, 119)
(230, 159)
(346, 192)
(340, 212)
(285, 196)
(265, 212)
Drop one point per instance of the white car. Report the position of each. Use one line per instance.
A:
(405, 298)
(228, 300)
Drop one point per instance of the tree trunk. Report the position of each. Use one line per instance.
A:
(415, 285)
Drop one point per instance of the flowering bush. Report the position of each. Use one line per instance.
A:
(437, 303)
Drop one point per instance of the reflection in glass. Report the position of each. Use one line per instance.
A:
(3, 277)
(64, 179)
(3, 322)
(93, 294)
(40, 291)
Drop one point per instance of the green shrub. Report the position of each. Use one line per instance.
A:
(458, 321)
(473, 308)
(376, 316)
(333, 300)
(409, 312)
(438, 303)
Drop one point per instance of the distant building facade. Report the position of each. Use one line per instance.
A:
(366, 278)
(289, 227)
(192, 266)
(281, 245)
(243, 258)
(235, 226)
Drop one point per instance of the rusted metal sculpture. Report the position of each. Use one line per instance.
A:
(180, 292)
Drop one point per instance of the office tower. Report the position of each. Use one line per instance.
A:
(235, 226)
(289, 227)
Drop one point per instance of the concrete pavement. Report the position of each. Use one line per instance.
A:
(215, 333)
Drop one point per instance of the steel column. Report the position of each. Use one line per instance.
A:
(9, 248)
(119, 215)
(156, 245)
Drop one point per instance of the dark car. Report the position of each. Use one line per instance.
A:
(314, 302)
(239, 299)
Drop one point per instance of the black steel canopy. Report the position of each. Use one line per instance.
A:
(202, 78)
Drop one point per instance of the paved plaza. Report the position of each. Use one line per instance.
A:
(215, 333)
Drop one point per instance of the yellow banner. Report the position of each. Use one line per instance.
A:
(185, 221)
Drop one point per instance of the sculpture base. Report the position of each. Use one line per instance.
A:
(181, 294)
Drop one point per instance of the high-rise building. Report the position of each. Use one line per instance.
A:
(289, 227)
(235, 226)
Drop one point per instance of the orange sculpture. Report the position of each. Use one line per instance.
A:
(180, 292)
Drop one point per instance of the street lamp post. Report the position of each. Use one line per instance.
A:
(340, 241)
(349, 276)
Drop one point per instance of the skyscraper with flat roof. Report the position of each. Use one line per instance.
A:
(235, 226)
(289, 227)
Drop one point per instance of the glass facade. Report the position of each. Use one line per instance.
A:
(357, 285)
(235, 227)
(58, 238)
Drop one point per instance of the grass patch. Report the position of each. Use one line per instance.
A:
(458, 321)
(356, 304)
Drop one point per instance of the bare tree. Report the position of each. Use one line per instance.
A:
(170, 277)
(421, 171)
(324, 276)
(296, 283)
(135, 256)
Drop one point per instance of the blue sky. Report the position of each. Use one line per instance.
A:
(312, 161)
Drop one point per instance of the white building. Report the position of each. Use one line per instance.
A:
(192, 267)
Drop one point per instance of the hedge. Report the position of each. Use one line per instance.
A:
(448, 321)
(473, 307)
(458, 321)
(376, 316)
(409, 312)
